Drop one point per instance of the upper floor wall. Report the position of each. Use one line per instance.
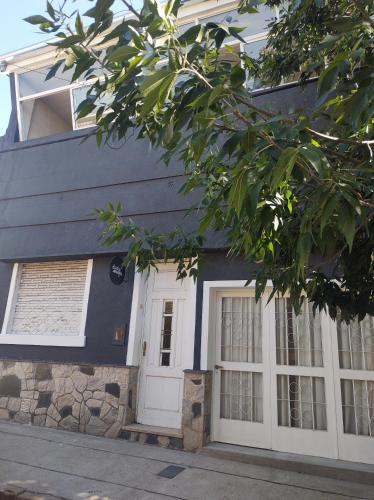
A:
(50, 187)
(51, 182)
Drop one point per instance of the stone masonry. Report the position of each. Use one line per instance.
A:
(197, 403)
(98, 400)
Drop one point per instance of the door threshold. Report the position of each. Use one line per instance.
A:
(327, 467)
(154, 429)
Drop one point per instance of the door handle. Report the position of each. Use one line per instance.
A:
(144, 347)
(218, 367)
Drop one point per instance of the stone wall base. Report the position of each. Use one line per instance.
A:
(197, 404)
(99, 400)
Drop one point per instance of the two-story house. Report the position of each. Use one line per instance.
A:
(152, 358)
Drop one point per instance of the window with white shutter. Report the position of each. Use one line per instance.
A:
(47, 304)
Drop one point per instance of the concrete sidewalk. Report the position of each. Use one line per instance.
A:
(50, 464)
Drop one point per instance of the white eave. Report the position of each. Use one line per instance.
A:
(43, 54)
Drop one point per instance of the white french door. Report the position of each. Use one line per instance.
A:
(242, 382)
(353, 347)
(300, 384)
(302, 395)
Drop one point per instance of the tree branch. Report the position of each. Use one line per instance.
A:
(131, 8)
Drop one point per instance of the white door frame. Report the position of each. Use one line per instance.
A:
(351, 446)
(137, 322)
(136, 318)
(348, 447)
(245, 433)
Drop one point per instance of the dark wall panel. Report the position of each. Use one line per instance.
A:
(80, 238)
(50, 187)
(137, 198)
(54, 165)
(109, 307)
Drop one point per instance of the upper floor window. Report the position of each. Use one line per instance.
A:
(47, 107)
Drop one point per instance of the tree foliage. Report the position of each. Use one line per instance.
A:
(292, 192)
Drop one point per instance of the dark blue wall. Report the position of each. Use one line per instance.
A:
(49, 189)
(109, 307)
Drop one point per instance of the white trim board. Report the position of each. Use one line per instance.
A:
(136, 319)
(45, 340)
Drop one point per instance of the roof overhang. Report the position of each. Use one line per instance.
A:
(43, 54)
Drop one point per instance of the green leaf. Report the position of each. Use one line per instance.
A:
(253, 193)
(51, 10)
(248, 140)
(206, 221)
(99, 137)
(123, 53)
(191, 35)
(101, 7)
(327, 79)
(53, 70)
(328, 42)
(303, 249)
(79, 25)
(283, 168)
(85, 108)
(36, 20)
(238, 189)
(347, 223)
(215, 94)
(155, 88)
(313, 155)
(328, 209)
(237, 76)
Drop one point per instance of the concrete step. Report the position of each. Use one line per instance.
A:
(167, 437)
(316, 466)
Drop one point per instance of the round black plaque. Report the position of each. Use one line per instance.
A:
(117, 271)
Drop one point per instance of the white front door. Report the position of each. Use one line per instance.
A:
(353, 347)
(167, 347)
(273, 381)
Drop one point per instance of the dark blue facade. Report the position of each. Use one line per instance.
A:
(49, 189)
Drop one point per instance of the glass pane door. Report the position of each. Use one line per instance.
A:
(303, 417)
(353, 346)
(241, 381)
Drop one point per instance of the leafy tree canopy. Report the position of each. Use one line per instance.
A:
(291, 192)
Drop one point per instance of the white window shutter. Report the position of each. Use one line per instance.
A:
(49, 299)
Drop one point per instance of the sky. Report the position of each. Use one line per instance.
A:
(17, 34)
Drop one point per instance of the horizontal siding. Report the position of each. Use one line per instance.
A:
(49, 299)
(73, 164)
(82, 238)
(49, 190)
(151, 196)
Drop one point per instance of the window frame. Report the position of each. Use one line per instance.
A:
(44, 340)
(37, 95)
(195, 18)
